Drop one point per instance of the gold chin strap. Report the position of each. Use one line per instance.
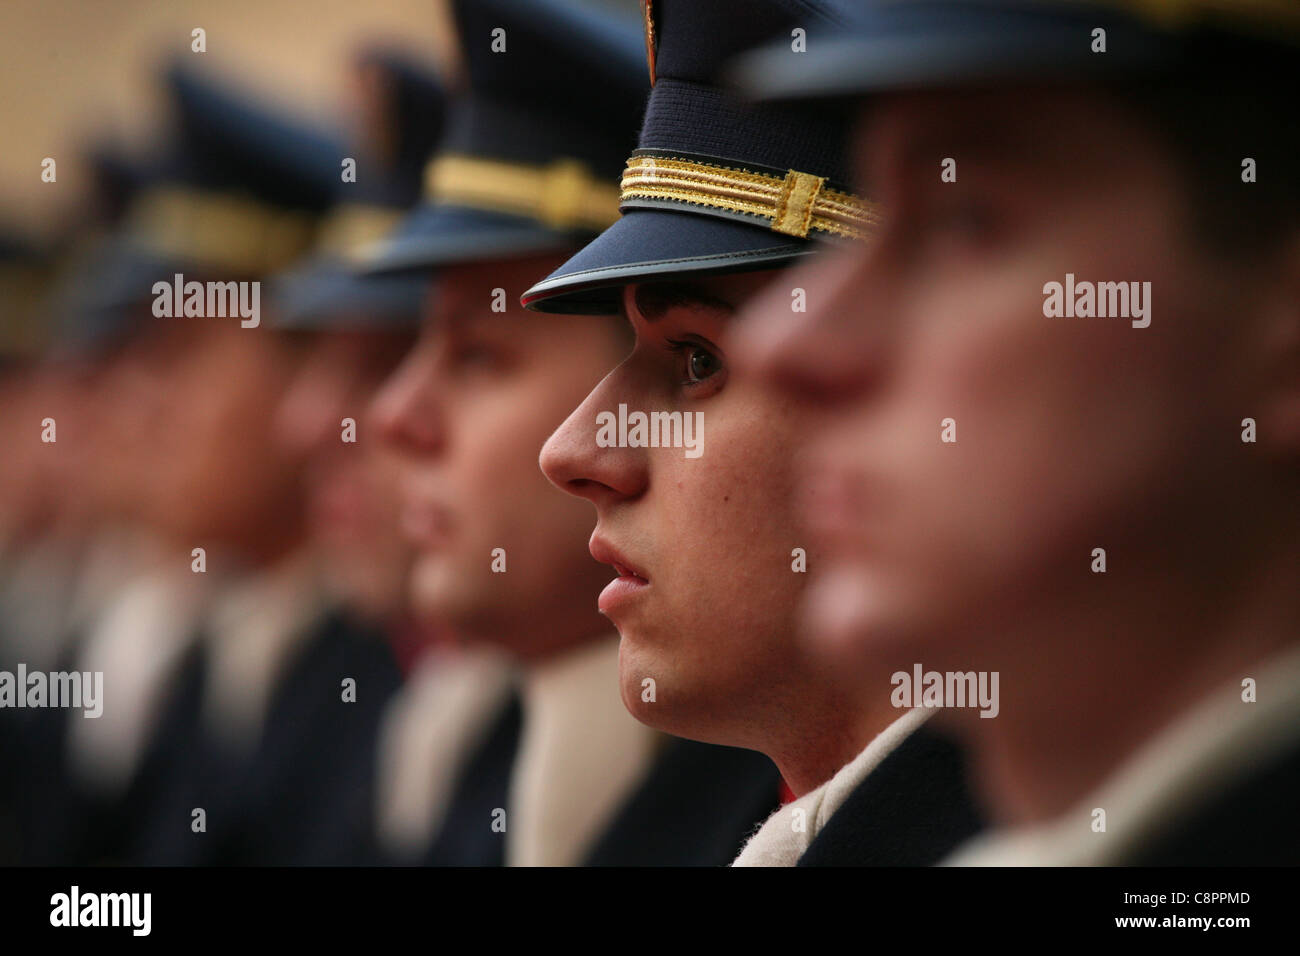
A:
(795, 204)
(219, 230)
(562, 195)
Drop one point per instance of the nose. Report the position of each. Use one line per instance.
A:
(815, 334)
(406, 410)
(573, 462)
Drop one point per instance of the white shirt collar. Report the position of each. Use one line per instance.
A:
(430, 727)
(253, 629)
(137, 643)
(580, 756)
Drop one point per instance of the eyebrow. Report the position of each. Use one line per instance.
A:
(655, 299)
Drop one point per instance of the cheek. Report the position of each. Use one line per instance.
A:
(726, 520)
(1064, 426)
(381, 475)
(494, 468)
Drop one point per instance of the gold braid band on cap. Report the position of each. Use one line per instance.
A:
(795, 204)
(219, 230)
(352, 227)
(1258, 15)
(561, 195)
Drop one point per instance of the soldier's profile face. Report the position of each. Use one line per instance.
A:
(25, 484)
(350, 477)
(200, 391)
(973, 448)
(701, 538)
(500, 556)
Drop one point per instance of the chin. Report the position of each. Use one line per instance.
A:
(632, 672)
(672, 708)
(431, 592)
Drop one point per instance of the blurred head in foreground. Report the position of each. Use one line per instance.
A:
(1056, 397)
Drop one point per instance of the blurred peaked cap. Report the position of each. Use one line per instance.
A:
(114, 176)
(226, 139)
(552, 98)
(25, 265)
(327, 293)
(405, 111)
(901, 44)
(17, 247)
(718, 184)
(235, 193)
(404, 106)
(570, 78)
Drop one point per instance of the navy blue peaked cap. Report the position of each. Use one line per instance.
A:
(225, 142)
(24, 266)
(535, 140)
(235, 193)
(403, 112)
(717, 184)
(901, 44)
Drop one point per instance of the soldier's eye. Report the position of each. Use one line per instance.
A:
(698, 363)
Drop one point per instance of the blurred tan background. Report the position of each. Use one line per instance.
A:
(75, 70)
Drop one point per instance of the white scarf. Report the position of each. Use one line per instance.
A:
(788, 832)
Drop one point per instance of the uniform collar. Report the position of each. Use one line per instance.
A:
(581, 755)
(253, 630)
(1218, 741)
(138, 643)
(430, 729)
(789, 831)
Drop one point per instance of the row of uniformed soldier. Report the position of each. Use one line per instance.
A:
(352, 620)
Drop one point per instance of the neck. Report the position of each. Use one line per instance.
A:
(1158, 662)
(811, 747)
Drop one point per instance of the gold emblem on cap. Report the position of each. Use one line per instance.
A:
(651, 41)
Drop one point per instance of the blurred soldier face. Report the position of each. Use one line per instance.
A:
(22, 488)
(60, 484)
(78, 472)
(350, 485)
(1072, 433)
(706, 590)
(469, 409)
(203, 392)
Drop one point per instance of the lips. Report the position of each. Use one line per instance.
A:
(423, 522)
(630, 583)
(605, 553)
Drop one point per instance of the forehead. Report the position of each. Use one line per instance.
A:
(1037, 133)
(722, 294)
